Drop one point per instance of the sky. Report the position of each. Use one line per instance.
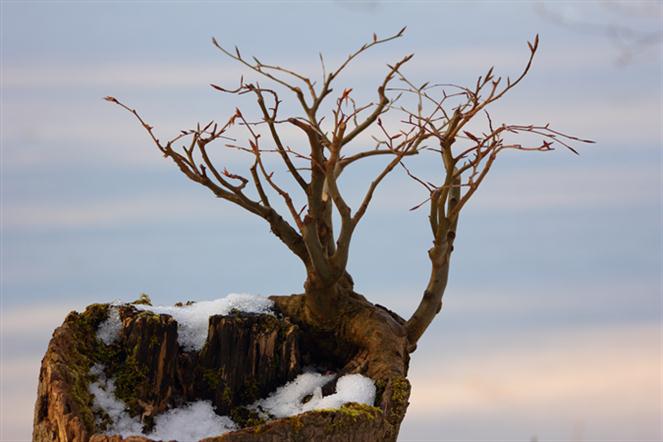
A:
(551, 325)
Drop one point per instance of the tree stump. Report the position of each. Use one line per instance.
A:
(245, 357)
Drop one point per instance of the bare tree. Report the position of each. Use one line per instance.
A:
(436, 123)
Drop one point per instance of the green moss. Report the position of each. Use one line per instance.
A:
(258, 429)
(400, 390)
(354, 410)
(297, 423)
(121, 362)
(226, 400)
(380, 385)
(212, 377)
(85, 351)
(143, 299)
(148, 316)
(400, 393)
(80, 394)
(129, 377)
(249, 392)
(339, 418)
(244, 417)
(227, 394)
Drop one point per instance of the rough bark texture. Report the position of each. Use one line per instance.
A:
(245, 358)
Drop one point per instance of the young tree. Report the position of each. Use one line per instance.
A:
(367, 338)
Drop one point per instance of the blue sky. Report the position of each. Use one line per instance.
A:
(551, 323)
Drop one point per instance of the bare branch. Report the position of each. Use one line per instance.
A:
(223, 189)
(440, 117)
(271, 123)
(259, 68)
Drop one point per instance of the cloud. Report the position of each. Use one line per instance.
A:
(476, 60)
(82, 132)
(606, 377)
(36, 319)
(471, 60)
(534, 189)
(42, 129)
(130, 210)
(543, 188)
(151, 76)
(19, 392)
(519, 302)
(85, 130)
(25, 332)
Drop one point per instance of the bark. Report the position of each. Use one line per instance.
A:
(431, 301)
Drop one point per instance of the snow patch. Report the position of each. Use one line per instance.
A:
(349, 388)
(192, 320)
(288, 400)
(103, 393)
(110, 329)
(191, 422)
(197, 420)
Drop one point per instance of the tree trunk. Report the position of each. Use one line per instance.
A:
(245, 357)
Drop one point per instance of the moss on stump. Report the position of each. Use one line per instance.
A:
(245, 357)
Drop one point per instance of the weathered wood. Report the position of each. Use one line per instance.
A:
(245, 357)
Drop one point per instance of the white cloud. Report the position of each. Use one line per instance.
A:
(80, 132)
(605, 377)
(24, 321)
(130, 210)
(120, 76)
(88, 131)
(543, 187)
(78, 127)
(473, 61)
(19, 392)
(21, 326)
(489, 300)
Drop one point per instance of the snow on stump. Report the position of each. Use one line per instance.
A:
(224, 370)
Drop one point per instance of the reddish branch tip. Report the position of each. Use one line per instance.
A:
(533, 47)
(111, 99)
